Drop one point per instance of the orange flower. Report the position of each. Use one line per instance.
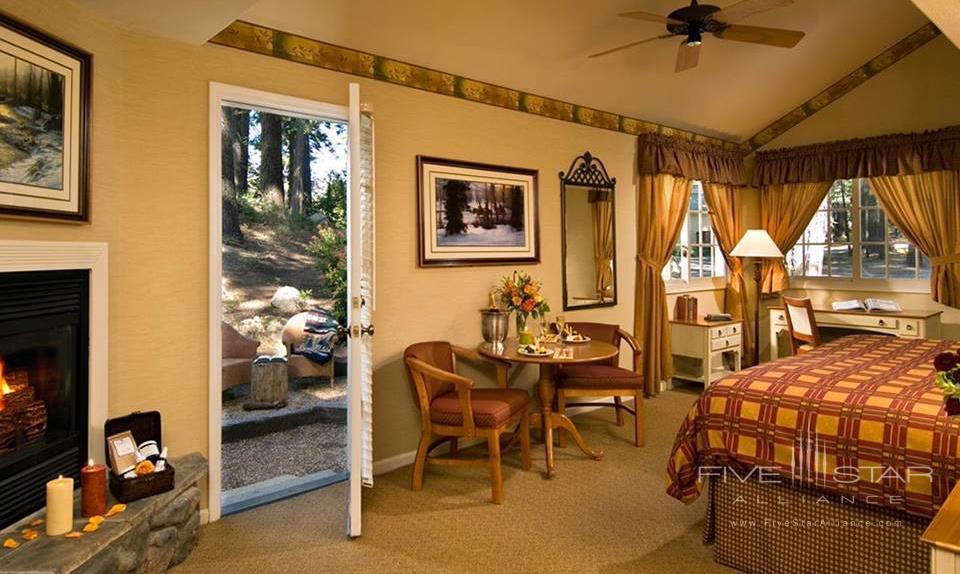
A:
(528, 305)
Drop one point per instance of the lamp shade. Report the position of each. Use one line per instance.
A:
(758, 244)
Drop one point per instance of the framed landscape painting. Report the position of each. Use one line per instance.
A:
(44, 107)
(476, 214)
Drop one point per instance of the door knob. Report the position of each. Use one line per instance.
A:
(367, 330)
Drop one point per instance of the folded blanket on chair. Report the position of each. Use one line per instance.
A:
(321, 335)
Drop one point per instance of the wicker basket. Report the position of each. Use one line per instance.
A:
(143, 426)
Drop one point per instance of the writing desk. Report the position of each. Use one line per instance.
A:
(907, 323)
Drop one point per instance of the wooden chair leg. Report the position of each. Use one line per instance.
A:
(420, 461)
(454, 446)
(640, 438)
(619, 408)
(561, 408)
(525, 441)
(496, 477)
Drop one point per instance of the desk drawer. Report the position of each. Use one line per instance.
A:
(872, 321)
(779, 318)
(725, 331)
(909, 328)
(731, 341)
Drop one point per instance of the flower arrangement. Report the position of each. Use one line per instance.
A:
(948, 379)
(948, 373)
(521, 294)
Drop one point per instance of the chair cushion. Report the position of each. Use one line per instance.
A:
(491, 407)
(598, 377)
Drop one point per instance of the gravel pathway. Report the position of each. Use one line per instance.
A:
(300, 451)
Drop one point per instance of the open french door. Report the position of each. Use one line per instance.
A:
(360, 290)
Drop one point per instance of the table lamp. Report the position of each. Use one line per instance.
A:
(757, 245)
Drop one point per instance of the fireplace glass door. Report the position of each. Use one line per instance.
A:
(43, 384)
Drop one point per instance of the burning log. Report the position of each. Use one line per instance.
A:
(23, 417)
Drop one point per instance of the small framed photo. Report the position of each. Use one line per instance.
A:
(44, 117)
(476, 214)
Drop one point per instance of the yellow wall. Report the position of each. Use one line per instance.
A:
(918, 93)
(149, 201)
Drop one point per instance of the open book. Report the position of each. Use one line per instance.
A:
(879, 305)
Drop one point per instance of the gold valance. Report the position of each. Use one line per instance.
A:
(896, 154)
(659, 154)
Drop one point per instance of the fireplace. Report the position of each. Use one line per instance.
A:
(44, 345)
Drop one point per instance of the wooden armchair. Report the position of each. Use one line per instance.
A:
(604, 379)
(452, 408)
(801, 325)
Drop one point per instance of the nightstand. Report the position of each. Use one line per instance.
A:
(705, 351)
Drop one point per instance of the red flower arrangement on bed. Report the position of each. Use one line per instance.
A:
(948, 380)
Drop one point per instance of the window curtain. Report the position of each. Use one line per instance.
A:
(785, 212)
(661, 207)
(666, 167)
(723, 203)
(926, 207)
(602, 210)
(914, 176)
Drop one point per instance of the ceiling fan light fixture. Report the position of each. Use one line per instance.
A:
(694, 38)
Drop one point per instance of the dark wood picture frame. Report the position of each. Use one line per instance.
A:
(84, 61)
(587, 171)
(425, 260)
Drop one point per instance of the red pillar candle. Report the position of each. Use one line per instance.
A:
(93, 489)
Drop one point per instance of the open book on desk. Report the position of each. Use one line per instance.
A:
(869, 305)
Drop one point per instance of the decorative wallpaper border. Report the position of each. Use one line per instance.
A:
(267, 41)
(854, 79)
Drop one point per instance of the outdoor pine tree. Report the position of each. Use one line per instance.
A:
(229, 132)
(271, 159)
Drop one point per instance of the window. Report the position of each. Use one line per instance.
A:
(696, 254)
(850, 237)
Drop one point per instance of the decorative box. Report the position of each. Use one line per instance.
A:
(144, 426)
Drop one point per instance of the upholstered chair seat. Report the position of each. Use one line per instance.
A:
(604, 379)
(592, 376)
(491, 407)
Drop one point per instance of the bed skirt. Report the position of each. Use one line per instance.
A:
(780, 529)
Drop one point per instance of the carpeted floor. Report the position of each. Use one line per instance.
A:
(606, 516)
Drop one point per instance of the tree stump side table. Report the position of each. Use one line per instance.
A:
(268, 384)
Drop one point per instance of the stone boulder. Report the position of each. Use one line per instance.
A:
(287, 299)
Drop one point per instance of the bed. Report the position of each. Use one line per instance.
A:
(855, 426)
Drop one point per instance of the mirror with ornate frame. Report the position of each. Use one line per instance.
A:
(588, 228)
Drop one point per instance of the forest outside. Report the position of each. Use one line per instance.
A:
(284, 221)
(31, 124)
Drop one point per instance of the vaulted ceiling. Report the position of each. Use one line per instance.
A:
(541, 47)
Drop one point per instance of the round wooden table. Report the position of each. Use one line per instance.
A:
(589, 352)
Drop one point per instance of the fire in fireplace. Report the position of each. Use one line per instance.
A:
(44, 345)
(23, 416)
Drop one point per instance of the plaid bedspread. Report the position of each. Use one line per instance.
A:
(858, 417)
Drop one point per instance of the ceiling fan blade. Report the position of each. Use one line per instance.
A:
(649, 17)
(630, 45)
(744, 8)
(687, 56)
(760, 35)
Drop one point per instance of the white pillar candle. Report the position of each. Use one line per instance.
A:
(59, 506)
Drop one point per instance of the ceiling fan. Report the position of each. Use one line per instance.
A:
(692, 21)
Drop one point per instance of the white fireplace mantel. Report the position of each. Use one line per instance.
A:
(59, 255)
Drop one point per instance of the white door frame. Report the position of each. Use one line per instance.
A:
(221, 94)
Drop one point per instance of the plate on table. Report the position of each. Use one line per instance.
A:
(531, 351)
(575, 340)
